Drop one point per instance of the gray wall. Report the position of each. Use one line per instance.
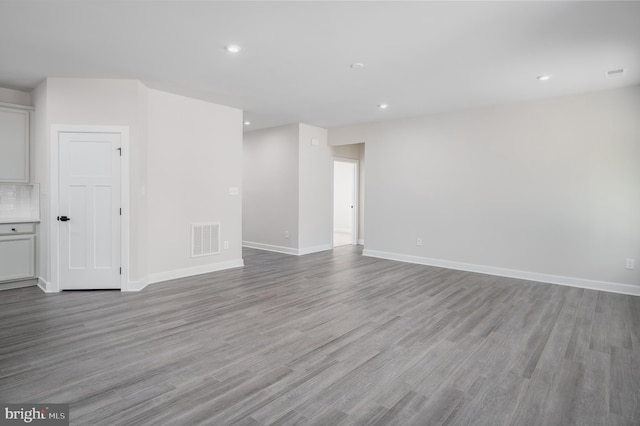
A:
(315, 192)
(287, 188)
(549, 188)
(270, 187)
(194, 158)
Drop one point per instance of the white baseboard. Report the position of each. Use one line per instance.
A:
(196, 270)
(510, 273)
(286, 250)
(309, 250)
(44, 285)
(269, 247)
(360, 242)
(134, 286)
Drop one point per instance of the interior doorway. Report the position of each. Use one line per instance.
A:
(345, 202)
(89, 204)
(89, 237)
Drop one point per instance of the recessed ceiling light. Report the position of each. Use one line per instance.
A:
(543, 77)
(246, 123)
(357, 65)
(383, 106)
(232, 48)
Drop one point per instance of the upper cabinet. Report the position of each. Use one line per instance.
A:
(14, 144)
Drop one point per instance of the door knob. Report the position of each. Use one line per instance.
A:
(63, 218)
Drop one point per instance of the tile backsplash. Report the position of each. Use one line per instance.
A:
(19, 202)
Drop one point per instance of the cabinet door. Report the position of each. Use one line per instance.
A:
(14, 145)
(17, 257)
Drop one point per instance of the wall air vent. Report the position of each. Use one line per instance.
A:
(205, 239)
(615, 73)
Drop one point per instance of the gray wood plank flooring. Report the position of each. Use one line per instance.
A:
(331, 338)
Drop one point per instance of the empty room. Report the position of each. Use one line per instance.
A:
(319, 212)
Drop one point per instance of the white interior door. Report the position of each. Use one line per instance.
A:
(89, 210)
(344, 202)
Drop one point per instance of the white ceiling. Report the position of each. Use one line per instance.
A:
(420, 57)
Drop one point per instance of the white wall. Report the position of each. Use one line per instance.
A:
(194, 157)
(40, 174)
(546, 189)
(315, 197)
(270, 187)
(138, 185)
(71, 101)
(17, 97)
(176, 127)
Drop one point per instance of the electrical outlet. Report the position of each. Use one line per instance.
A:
(226, 245)
(418, 241)
(286, 234)
(631, 264)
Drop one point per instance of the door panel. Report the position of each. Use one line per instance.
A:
(76, 229)
(90, 197)
(103, 200)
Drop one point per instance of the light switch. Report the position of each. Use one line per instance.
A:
(314, 141)
(233, 190)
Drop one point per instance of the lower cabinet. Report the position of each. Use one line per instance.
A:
(17, 255)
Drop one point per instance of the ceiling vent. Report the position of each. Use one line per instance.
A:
(615, 73)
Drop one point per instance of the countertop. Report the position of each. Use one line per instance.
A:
(18, 220)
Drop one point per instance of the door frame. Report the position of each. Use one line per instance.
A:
(54, 234)
(356, 197)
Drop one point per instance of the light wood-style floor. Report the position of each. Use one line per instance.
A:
(331, 338)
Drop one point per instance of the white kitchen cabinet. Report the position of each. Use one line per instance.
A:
(17, 254)
(14, 144)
